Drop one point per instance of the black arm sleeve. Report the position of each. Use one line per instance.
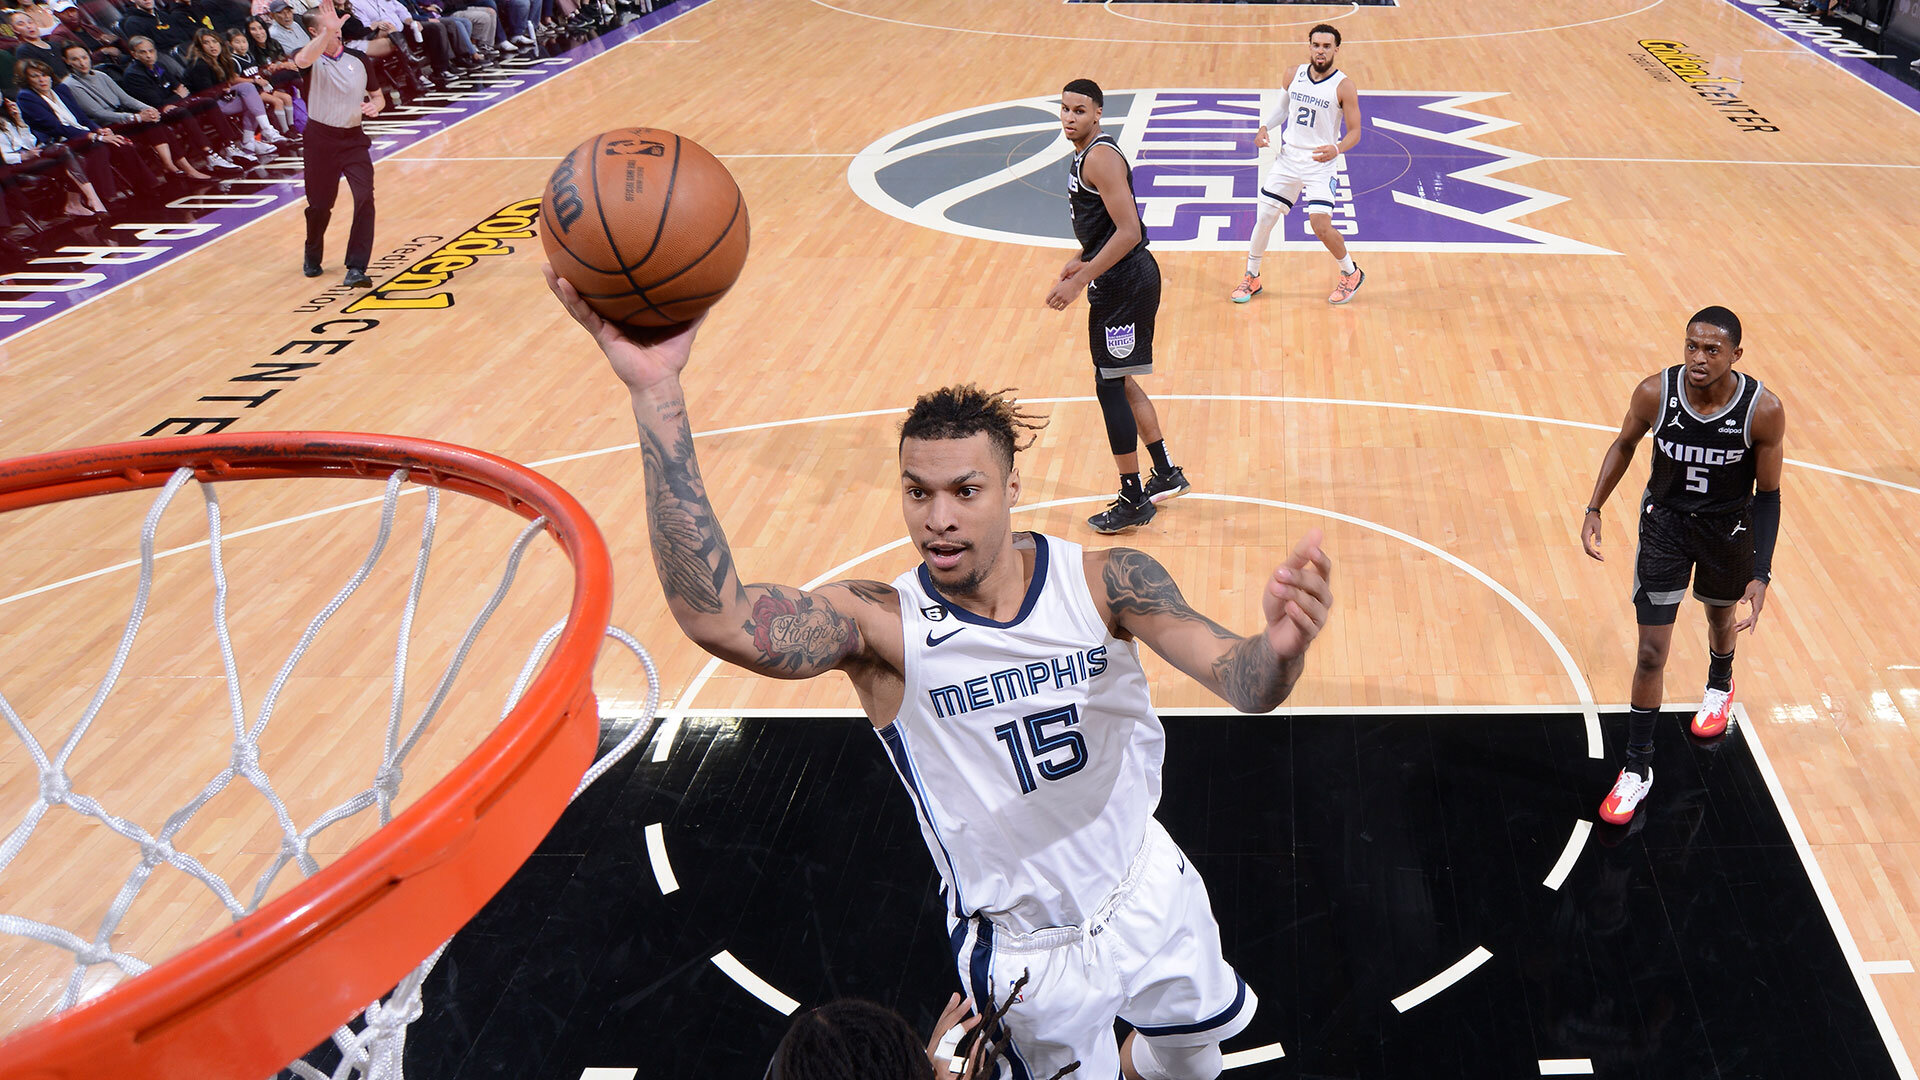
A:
(1766, 530)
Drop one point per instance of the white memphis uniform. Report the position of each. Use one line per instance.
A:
(1309, 117)
(1032, 756)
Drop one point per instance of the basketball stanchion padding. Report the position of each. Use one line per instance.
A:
(277, 982)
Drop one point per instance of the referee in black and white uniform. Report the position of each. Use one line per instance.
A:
(341, 91)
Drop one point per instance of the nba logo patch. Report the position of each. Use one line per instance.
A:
(1120, 341)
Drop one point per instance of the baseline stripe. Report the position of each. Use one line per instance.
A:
(754, 984)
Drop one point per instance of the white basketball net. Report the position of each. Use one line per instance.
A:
(376, 1049)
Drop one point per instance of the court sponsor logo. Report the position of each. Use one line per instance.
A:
(422, 286)
(1810, 30)
(1720, 91)
(1422, 179)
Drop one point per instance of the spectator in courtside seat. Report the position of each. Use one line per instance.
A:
(55, 116)
(222, 15)
(254, 70)
(76, 27)
(211, 71)
(387, 23)
(286, 30)
(483, 25)
(198, 118)
(34, 46)
(281, 70)
(166, 27)
(107, 104)
(25, 152)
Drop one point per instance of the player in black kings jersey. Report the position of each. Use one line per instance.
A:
(1123, 296)
(1717, 437)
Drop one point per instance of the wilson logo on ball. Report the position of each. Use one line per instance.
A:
(567, 206)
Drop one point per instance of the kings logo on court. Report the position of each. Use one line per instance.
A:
(1422, 178)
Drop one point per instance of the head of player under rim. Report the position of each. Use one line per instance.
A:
(647, 225)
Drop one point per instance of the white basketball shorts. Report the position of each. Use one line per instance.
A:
(1150, 955)
(1291, 181)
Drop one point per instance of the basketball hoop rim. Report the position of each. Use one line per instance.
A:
(267, 989)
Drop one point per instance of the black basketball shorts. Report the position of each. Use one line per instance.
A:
(1121, 305)
(1715, 550)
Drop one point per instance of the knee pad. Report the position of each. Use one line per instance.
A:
(1157, 1061)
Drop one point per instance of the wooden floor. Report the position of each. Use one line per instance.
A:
(1454, 407)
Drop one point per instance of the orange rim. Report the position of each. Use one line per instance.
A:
(275, 984)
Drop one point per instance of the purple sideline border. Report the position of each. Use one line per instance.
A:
(1789, 26)
(23, 307)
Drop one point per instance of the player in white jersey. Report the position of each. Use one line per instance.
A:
(1318, 99)
(1003, 677)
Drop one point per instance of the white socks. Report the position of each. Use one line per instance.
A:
(1262, 233)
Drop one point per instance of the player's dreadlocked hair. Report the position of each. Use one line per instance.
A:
(956, 412)
(850, 1040)
(982, 1062)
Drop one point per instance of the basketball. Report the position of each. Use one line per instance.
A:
(647, 225)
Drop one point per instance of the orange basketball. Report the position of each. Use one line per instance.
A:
(648, 226)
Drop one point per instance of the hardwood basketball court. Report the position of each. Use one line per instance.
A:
(1543, 203)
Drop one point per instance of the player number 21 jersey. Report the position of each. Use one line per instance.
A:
(1313, 114)
(1029, 748)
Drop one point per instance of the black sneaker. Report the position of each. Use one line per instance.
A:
(1122, 514)
(1170, 484)
(357, 279)
(311, 268)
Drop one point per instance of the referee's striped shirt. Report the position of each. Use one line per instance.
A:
(336, 87)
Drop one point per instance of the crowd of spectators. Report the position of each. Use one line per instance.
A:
(111, 101)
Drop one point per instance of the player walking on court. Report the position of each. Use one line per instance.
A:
(1317, 100)
(1717, 436)
(1123, 296)
(1003, 679)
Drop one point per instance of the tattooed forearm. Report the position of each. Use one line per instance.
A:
(689, 550)
(1252, 679)
(873, 592)
(1247, 675)
(1138, 585)
(797, 634)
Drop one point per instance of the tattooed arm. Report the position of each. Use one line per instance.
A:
(1252, 673)
(775, 630)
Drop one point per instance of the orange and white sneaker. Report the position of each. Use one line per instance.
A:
(1248, 288)
(1716, 712)
(1618, 807)
(1349, 284)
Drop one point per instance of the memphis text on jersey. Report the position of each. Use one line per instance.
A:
(1715, 90)
(1014, 683)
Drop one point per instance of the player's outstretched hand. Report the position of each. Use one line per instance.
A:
(958, 1013)
(1755, 599)
(1590, 536)
(641, 357)
(1298, 598)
